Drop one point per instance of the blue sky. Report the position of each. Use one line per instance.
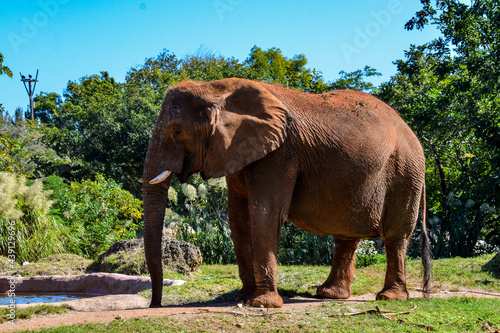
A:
(69, 39)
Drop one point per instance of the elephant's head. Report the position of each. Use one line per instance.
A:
(216, 128)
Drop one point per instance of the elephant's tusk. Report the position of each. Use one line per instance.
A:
(161, 177)
(140, 180)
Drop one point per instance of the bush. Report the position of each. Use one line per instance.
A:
(369, 252)
(298, 247)
(199, 209)
(99, 212)
(28, 231)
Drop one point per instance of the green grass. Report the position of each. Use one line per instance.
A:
(58, 264)
(463, 272)
(451, 315)
(218, 283)
(215, 283)
(28, 312)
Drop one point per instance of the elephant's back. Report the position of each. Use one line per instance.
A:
(340, 109)
(348, 125)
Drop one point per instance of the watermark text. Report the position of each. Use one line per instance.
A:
(11, 257)
(364, 36)
(223, 6)
(30, 26)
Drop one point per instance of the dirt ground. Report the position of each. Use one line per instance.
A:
(91, 304)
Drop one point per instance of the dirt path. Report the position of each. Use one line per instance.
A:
(79, 317)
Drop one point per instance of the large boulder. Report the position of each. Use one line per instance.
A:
(96, 283)
(127, 257)
(181, 257)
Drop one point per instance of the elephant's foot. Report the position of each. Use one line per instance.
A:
(399, 293)
(244, 295)
(155, 305)
(270, 299)
(336, 292)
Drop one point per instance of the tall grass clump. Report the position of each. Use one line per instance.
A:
(200, 212)
(25, 209)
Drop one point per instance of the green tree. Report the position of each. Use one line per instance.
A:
(155, 76)
(3, 114)
(18, 116)
(89, 123)
(272, 66)
(355, 80)
(47, 108)
(103, 126)
(4, 69)
(205, 66)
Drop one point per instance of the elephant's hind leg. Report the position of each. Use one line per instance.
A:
(338, 284)
(396, 228)
(395, 280)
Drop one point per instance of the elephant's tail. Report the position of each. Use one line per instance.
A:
(425, 249)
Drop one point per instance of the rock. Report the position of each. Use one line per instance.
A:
(182, 257)
(96, 283)
(109, 303)
(127, 257)
(124, 257)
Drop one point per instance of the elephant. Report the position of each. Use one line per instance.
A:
(341, 163)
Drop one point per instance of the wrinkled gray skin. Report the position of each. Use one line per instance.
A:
(342, 163)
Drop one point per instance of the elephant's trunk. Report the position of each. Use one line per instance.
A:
(155, 202)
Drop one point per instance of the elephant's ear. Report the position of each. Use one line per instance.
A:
(248, 123)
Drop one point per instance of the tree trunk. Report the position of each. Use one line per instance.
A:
(444, 188)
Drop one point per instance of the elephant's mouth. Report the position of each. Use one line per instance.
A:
(192, 164)
(182, 176)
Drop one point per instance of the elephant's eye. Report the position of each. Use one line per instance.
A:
(177, 132)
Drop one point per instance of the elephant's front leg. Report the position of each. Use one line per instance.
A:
(269, 186)
(265, 229)
(239, 221)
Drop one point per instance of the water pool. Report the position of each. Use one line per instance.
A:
(22, 298)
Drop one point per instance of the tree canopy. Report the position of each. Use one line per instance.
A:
(4, 69)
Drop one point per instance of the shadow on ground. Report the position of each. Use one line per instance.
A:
(493, 266)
